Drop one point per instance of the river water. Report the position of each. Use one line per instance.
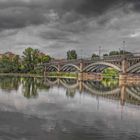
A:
(67, 109)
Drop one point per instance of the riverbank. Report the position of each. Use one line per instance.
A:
(62, 77)
(123, 79)
(22, 75)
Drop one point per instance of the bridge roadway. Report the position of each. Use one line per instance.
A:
(124, 64)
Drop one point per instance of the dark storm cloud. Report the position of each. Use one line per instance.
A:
(18, 17)
(92, 7)
(18, 14)
(136, 5)
(56, 35)
(68, 24)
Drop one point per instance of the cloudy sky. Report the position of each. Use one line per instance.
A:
(56, 26)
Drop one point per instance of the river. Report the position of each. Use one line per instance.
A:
(67, 109)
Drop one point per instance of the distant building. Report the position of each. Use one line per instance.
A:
(9, 55)
(41, 54)
(1, 56)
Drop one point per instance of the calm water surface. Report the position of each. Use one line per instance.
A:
(54, 109)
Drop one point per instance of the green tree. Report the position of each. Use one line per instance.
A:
(125, 52)
(94, 56)
(121, 52)
(16, 63)
(6, 64)
(71, 54)
(105, 54)
(44, 59)
(30, 58)
(114, 53)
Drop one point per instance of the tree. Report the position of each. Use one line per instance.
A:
(121, 52)
(114, 53)
(30, 58)
(125, 52)
(105, 54)
(44, 59)
(6, 64)
(16, 63)
(94, 56)
(71, 54)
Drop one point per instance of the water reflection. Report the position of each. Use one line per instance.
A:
(107, 88)
(30, 86)
(9, 83)
(68, 109)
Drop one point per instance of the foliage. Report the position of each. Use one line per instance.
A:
(62, 74)
(29, 63)
(71, 54)
(110, 83)
(121, 52)
(114, 53)
(30, 86)
(30, 58)
(110, 73)
(8, 65)
(105, 54)
(94, 56)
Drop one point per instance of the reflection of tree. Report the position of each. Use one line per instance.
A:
(104, 85)
(70, 93)
(9, 83)
(41, 84)
(111, 83)
(31, 86)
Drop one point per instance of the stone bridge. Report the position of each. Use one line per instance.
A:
(124, 64)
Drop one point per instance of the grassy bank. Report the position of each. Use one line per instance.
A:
(62, 74)
(21, 75)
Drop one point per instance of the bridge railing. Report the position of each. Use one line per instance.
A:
(103, 58)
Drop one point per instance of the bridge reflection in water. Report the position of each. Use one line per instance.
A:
(105, 89)
(110, 89)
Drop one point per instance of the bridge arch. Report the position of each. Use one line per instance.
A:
(106, 64)
(52, 68)
(69, 86)
(133, 94)
(52, 82)
(69, 66)
(134, 68)
(97, 92)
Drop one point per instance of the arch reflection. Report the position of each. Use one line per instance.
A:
(109, 89)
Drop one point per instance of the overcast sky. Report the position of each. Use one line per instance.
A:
(56, 26)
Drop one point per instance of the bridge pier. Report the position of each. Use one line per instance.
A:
(123, 95)
(80, 83)
(45, 73)
(124, 66)
(80, 74)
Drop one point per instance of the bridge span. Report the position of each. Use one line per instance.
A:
(126, 65)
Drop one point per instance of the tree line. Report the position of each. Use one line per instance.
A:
(72, 54)
(29, 62)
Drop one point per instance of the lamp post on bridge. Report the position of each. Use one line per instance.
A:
(123, 47)
(99, 52)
